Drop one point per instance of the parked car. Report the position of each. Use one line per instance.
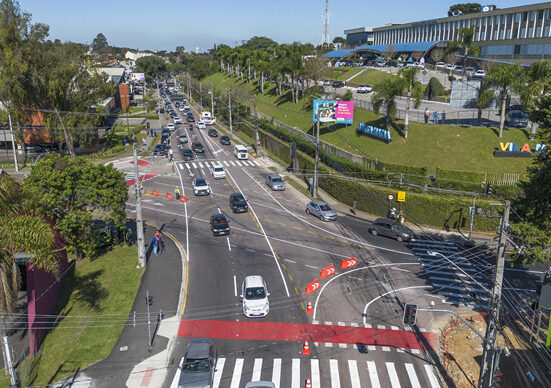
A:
(197, 147)
(321, 210)
(255, 297)
(364, 89)
(391, 228)
(238, 203)
(187, 154)
(470, 70)
(219, 224)
(516, 119)
(480, 73)
(514, 107)
(275, 182)
(450, 66)
(183, 138)
(338, 84)
(327, 82)
(212, 132)
(200, 186)
(198, 365)
(225, 140)
(218, 172)
(458, 68)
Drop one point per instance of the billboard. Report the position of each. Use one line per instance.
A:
(331, 111)
(137, 76)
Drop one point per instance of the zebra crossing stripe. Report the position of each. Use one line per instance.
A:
(251, 163)
(354, 376)
(238, 163)
(373, 377)
(276, 372)
(257, 369)
(180, 166)
(295, 373)
(226, 163)
(412, 376)
(236, 378)
(232, 163)
(255, 162)
(335, 378)
(194, 165)
(394, 381)
(200, 164)
(218, 372)
(432, 378)
(315, 366)
(207, 164)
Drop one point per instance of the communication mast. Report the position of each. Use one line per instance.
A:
(325, 28)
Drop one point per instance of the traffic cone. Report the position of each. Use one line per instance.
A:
(309, 308)
(155, 193)
(308, 383)
(306, 349)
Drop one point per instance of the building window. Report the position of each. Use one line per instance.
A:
(517, 17)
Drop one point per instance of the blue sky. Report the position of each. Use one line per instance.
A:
(165, 24)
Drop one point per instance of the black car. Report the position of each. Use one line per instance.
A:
(219, 224)
(213, 133)
(190, 127)
(238, 203)
(160, 150)
(164, 138)
(516, 119)
(197, 147)
(165, 131)
(225, 140)
(391, 228)
(338, 84)
(187, 154)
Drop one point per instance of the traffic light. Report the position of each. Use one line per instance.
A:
(149, 300)
(489, 189)
(410, 314)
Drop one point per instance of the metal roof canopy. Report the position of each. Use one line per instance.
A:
(395, 47)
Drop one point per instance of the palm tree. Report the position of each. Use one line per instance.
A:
(386, 92)
(538, 76)
(414, 89)
(465, 43)
(21, 231)
(506, 79)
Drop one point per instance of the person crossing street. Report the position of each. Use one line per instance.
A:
(177, 193)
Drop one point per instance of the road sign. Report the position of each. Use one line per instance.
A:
(401, 196)
(390, 197)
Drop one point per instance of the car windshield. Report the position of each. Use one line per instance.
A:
(255, 293)
(219, 221)
(276, 180)
(517, 115)
(196, 365)
(200, 182)
(218, 169)
(239, 199)
(324, 207)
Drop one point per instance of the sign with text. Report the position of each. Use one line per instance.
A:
(331, 111)
(137, 76)
(374, 132)
(513, 150)
(401, 196)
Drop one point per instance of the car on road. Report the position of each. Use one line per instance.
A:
(450, 66)
(458, 68)
(219, 224)
(187, 154)
(218, 171)
(200, 186)
(238, 203)
(327, 82)
(170, 127)
(514, 107)
(255, 297)
(275, 182)
(470, 70)
(183, 138)
(177, 120)
(392, 229)
(213, 133)
(364, 89)
(160, 150)
(201, 124)
(191, 119)
(260, 384)
(516, 119)
(198, 365)
(321, 210)
(225, 140)
(197, 147)
(338, 84)
(190, 127)
(164, 138)
(480, 73)
(181, 108)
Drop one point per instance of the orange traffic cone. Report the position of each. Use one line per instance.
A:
(155, 193)
(308, 383)
(309, 308)
(306, 349)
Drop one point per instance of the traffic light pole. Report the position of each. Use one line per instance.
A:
(139, 218)
(488, 365)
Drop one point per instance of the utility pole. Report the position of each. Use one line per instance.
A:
(139, 219)
(488, 365)
(229, 106)
(256, 122)
(13, 143)
(189, 87)
(211, 103)
(316, 160)
(472, 217)
(8, 360)
(200, 95)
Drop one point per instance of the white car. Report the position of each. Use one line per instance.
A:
(470, 70)
(440, 65)
(200, 186)
(480, 73)
(364, 89)
(255, 297)
(181, 108)
(450, 66)
(209, 120)
(170, 127)
(218, 172)
(177, 120)
(201, 124)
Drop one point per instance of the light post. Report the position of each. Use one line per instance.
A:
(211, 103)
(229, 107)
(200, 95)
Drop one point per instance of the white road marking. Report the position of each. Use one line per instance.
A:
(180, 166)
(218, 373)
(234, 285)
(202, 172)
(236, 378)
(354, 376)
(238, 163)
(206, 164)
(295, 373)
(432, 378)
(315, 368)
(255, 162)
(226, 163)
(341, 324)
(381, 327)
(194, 165)
(200, 164)
(232, 163)
(257, 369)
(394, 381)
(276, 372)
(335, 378)
(310, 266)
(229, 246)
(290, 261)
(373, 377)
(412, 376)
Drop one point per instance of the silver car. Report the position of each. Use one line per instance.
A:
(183, 138)
(197, 366)
(275, 182)
(321, 210)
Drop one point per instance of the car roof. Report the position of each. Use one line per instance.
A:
(200, 179)
(199, 348)
(379, 220)
(317, 202)
(254, 281)
(274, 176)
(237, 195)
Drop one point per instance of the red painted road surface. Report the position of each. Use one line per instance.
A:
(281, 331)
(142, 178)
(142, 163)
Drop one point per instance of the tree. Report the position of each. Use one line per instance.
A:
(339, 41)
(22, 230)
(464, 9)
(180, 50)
(386, 92)
(413, 89)
(347, 96)
(152, 66)
(99, 44)
(538, 76)
(465, 43)
(73, 193)
(259, 43)
(434, 89)
(505, 79)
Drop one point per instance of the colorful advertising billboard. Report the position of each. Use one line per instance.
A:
(331, 111)
(137, 76)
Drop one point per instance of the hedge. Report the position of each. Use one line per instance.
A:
(457, 175)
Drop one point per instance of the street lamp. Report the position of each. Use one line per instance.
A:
(211, 103)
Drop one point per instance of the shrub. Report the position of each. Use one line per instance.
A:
(434, 88)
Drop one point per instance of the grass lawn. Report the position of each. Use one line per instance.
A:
(104, 286)
(444, 146)
(371, 77)
(340, 73)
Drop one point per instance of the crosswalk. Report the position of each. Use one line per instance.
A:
(224, 163)
(236, 372)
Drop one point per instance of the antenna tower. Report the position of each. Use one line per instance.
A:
(325, 29)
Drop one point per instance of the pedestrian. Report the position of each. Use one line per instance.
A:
(158, 235)
(427, 115)
(177, 193)
(154, 133)
(436, 114)
(391, 215)
(155, 244)
(161, 244)
(144, 143)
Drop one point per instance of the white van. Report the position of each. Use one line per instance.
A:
(205, 115)
(240, 152)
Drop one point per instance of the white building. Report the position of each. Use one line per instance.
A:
(133, 56)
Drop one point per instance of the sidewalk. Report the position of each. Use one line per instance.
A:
(132, 362)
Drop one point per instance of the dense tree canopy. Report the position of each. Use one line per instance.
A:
(152, 66)
(99, 44)
(464, 9)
